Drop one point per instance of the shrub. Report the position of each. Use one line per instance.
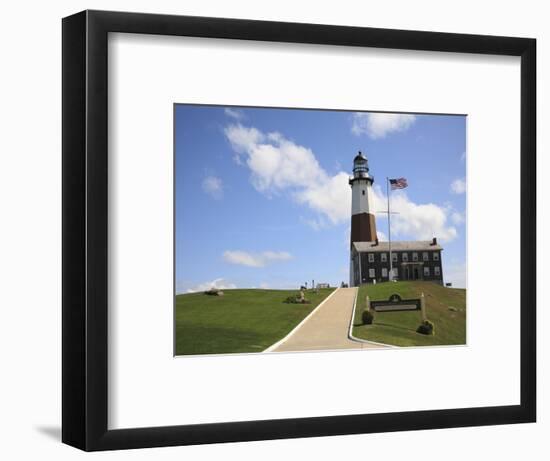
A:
(367, 317)
(296, 300)
(426, 328)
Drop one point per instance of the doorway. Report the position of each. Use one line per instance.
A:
(412, 272)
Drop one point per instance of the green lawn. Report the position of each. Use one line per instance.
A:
(399, 328)
(240, 321)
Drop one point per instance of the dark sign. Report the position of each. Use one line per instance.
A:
(395, 303)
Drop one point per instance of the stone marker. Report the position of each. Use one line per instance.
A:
(395, 303)
(423, 307)
(395, 298)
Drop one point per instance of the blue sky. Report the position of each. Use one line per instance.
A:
(262, 198)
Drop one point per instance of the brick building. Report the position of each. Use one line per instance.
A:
(419, 260)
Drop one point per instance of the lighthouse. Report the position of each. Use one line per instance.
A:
(363, 224)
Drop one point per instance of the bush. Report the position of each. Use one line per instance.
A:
(296, 300)
(367, 317)
(291, 300)
(426, 328)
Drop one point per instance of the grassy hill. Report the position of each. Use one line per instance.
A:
(399, 328)
(246, 320)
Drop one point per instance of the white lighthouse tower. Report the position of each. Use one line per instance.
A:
(363, 223)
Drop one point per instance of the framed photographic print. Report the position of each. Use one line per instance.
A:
(277, 230)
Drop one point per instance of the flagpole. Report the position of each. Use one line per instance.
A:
(390, 276)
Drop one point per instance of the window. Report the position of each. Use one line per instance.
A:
(372, 274)
(363, 192)
(437, 270)
(394, 257)
(394, 272)
(384, 257)
(405, 256)
(426, 271)
(384, 272)
(425, 256)
(371, 257)
(436, 256)
(415, 256)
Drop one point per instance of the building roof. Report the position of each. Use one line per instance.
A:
(359, 156)
(374, 247)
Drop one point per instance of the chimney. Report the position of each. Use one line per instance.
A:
(434, 241)
(376, 242)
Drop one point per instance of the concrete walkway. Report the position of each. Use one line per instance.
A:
(327, 328)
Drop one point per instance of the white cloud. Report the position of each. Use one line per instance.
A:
(275, 162)
(455, 273)
(315, 223)
(458, 186)
(457, 218)
(378, 125)
(234, 113)
(381, 236)
(213, 186)
(331, 196)
(245, 258)
(420, 221)
(242, 138)
(278, 165)
(347, 237)
(220, 284)
(413, 220)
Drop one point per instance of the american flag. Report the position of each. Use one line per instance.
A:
(399, 183)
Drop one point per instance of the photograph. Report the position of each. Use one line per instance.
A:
(302, 229)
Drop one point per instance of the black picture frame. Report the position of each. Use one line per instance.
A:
(85, 223)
